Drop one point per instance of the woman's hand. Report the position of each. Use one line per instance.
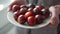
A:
(55, 10)
(16, 2)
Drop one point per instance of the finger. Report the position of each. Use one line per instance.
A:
(11, 5)
(53, 23)
(53, 10)
(50, 25)
(55, 20)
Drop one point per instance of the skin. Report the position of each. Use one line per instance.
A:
(55, 15)
(53, 9)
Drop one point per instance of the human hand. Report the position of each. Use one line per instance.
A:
(16, 2)
(54, 18)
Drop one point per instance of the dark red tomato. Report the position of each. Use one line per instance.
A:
(21, 19)
(16, 14)
(27, 14)
(36, 11)
(46, 12)
(31, 21)
(15, 8)
(23, 10)
(39, 7)
(39, 18)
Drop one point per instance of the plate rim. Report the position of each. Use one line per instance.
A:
(23, 26)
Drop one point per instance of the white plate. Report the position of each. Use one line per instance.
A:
(11, 19)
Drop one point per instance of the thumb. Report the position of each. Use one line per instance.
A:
(53, 10)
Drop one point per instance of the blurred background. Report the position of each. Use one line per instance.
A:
(5, 26)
